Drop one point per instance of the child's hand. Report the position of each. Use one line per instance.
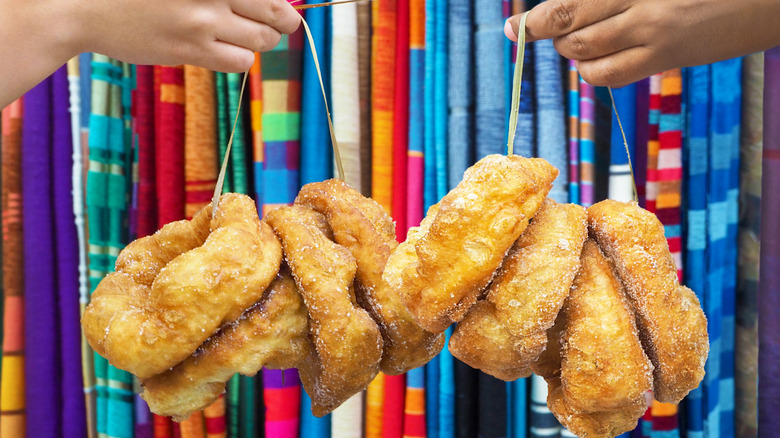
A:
(617, 42)
(217, 34)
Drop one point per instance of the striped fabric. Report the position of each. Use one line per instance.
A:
(347, 419)
(255, 86)
(80, 169)
(722, 215)
(400, 151)
(73, 411)
(696, 149)
(170, 146)
(768, 299)
(518, 406)
(382, 106)
(282, 397)
(316, 156)
(414, 407)
(281, 75)
(12, 377)
(543, 423)
(281, 71)
(587, 143)
(574, 133)
(364, 58)
(107, 186)
(746, 336)
(214, 419)
(620, 178)
(446, 389)
(395, 386)
(550, 115)
(653, 142)
(669, 168)
(490, 95)
(460, 77)
(416, 142)
(345, 86)
(200, 148)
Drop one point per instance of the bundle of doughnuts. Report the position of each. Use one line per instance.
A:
(588, 299)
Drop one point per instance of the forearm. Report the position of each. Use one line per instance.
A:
(37, 40)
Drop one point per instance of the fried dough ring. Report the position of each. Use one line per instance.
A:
(346, 345)
(362, 226)
(272, 333)
(461, 243)
(672, 325)
(507, 331)
(604, 367)
(170, 292)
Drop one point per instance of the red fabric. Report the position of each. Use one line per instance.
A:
(393, 415)
(143, 113)
(170, 146)
(162, 427)
(401, 122)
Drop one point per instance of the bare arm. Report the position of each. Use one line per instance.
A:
(617, 42)
(41, 35)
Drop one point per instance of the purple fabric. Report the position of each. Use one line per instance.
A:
(144, 426)
(769, 286)
(640, 150)
(42, 358)
(73, 410)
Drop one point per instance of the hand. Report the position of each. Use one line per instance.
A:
(216, 34)
(617, 42)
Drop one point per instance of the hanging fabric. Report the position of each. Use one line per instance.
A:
(769, 324)
(73, 411)
(12, 391)
(746, 348)
(573, 100)
(550, 115)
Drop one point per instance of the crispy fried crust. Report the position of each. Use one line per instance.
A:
(462, 242)
(272, 333)
(506, 332)
(671, 323)
(604, 366)
(346, 345)
(364, 228)
(160, 306)
(604, 424)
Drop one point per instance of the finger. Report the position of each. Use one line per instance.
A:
(248, 34)
(554, 18)
(599, 39)
(619, 69)
(224, 57)
(278, 14)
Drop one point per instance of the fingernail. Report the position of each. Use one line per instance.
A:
(509, 31)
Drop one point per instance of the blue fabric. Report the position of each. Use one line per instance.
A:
(550, 115)
(446, 390)
(460, 75)
(440, 96)
(316, 153)
(696, 146)
(725, 143)
(312, 426)
(625, 101)
(490, 123)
